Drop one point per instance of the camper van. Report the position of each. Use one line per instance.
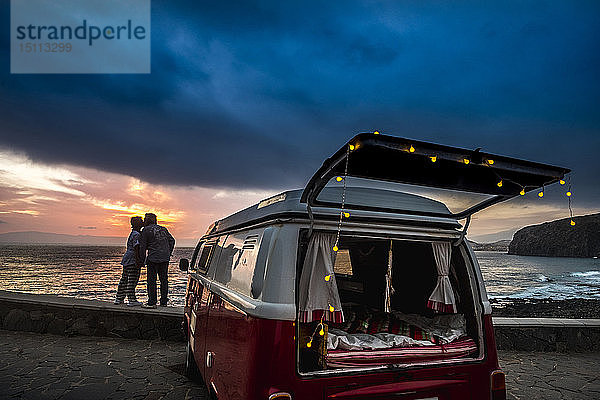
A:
(359, 286)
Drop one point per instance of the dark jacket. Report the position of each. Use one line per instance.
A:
(159, 243)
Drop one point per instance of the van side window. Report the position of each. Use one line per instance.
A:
(204, 257)
(193, 265)
(238, 260)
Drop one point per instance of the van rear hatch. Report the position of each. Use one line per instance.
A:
(406, 161)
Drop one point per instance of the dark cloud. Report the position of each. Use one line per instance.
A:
(257, 94)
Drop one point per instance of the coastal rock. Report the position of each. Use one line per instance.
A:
(559, 239)
(501, 245)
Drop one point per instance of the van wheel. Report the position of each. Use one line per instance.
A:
(191, 368)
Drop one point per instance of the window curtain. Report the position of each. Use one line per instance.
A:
(317, 294)
(442, 298)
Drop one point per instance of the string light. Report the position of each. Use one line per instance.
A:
(327, 278)
(337, 238)
(499, 183)
(570, 208)
(433, 158)
(562, 182)
(522, 192)
(339, 178)
(490, 161)
(347, 214)
(411, 149)
(376, 133)
(321, 329)
(541, 194)
(331, 309)
(466, 161)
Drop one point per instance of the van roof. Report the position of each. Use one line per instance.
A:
(288, 205)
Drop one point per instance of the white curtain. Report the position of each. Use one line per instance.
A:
(318, 294)
(442, 298)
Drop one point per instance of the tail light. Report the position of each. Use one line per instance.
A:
(280, 396)
(498, 385)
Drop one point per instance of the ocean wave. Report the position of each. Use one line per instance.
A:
(586, 274)
(557, 292)
(543, 278)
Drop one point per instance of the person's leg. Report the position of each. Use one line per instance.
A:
(151, 283)
(133, 276)
(163, 269)
(121, 289)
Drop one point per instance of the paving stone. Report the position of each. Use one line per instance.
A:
(97, 371)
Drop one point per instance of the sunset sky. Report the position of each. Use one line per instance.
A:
(246, 100)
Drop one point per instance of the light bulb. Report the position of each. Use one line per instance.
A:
(339, 179)
(572, 223)
(331, 309)
(347, 215)
(327, 278)
(376, 133)
(433, 158)
(321, 332)
(522, 192)
(466, 161)
(562, 182)
(569, 194)
(351, 147)
(411, 149)
(490, 161)
(309, 344)
(541, 194)
(335, 248)
(499, 184)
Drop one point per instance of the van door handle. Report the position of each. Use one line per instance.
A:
(210, 356)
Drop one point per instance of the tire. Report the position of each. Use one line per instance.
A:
(191, 368)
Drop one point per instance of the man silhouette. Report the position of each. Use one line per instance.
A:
(159, 244)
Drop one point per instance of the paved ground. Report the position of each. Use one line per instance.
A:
(532, 375)
(34, 366)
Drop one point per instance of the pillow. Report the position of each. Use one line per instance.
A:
(380, 322)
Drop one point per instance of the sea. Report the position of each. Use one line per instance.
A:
(93, 272)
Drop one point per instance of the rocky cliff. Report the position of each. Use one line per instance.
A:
(500, 245)
(559, 238)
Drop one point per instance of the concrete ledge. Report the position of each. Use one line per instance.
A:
(547, 334)
(69, 316)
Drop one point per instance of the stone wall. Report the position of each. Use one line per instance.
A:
(547, 334)
(67, 316)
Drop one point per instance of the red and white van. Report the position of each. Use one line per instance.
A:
(352, 288)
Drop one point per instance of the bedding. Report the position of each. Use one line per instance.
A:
(351, 358)
(367, 329)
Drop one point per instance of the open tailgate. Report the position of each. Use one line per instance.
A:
(400, 160)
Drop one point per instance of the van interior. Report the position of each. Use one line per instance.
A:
(389, 324)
